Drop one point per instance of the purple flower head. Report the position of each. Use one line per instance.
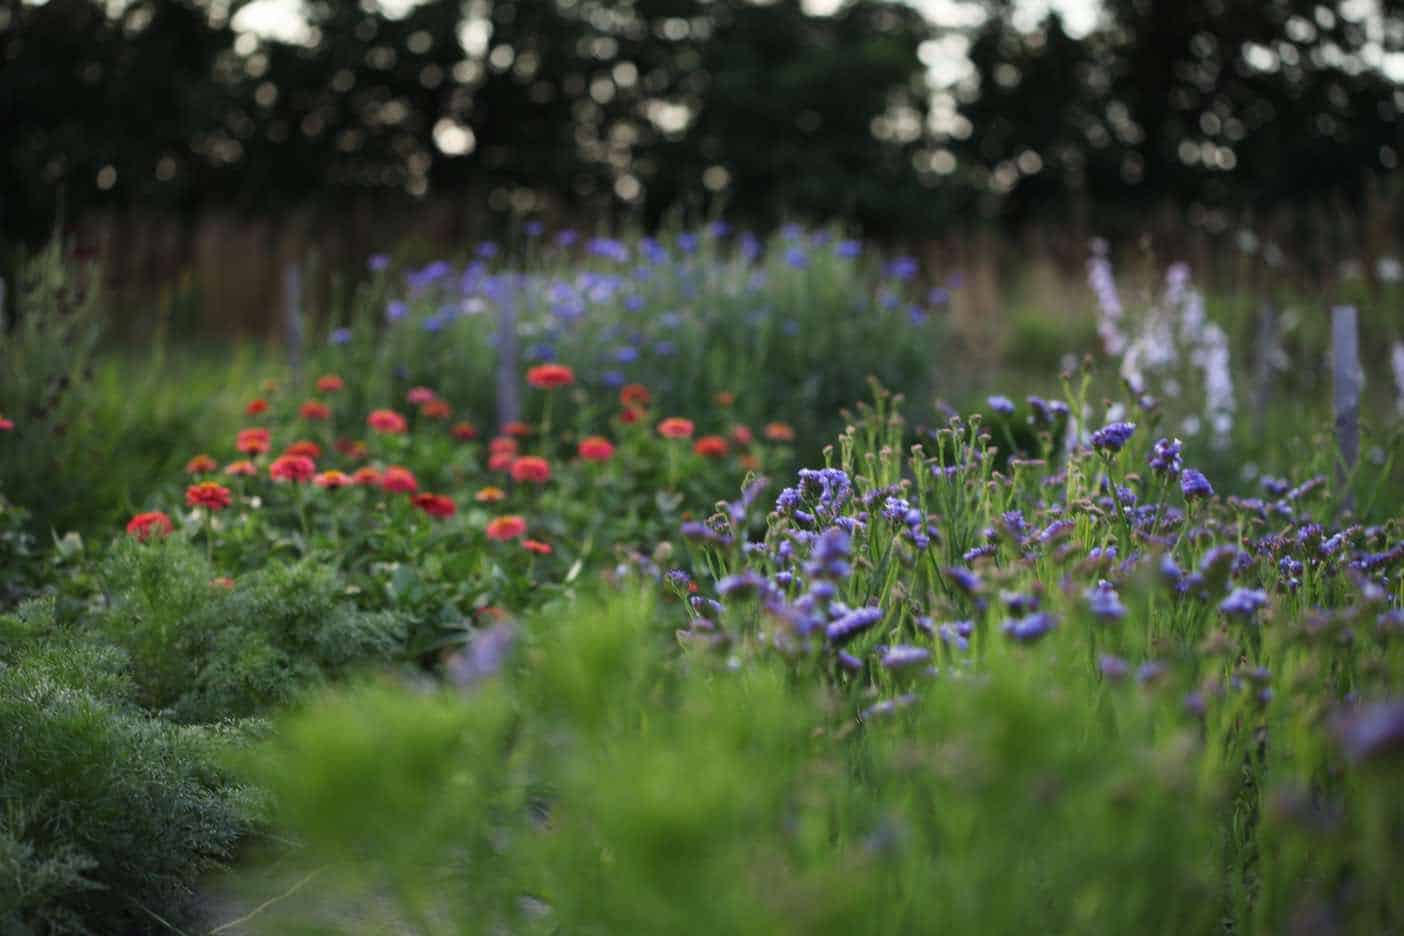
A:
(964, 579)
(902, 268)
(745, 583)
(378, 263)
(1193, 484)
(956, 634)
(1104, 602)
(1000, 404)
(1165, 457)
(828, 559)
(533, 229)
(678, 579)
(1150, 672)
(341, 336)
(1030, 629)
(797, 258)
(1243, 602)
(1372, 731)
(1112, 436)
(396, 310)
(903, 656)
(848, 249)
(484, 656)
(852, 624)
(1276, 487)
(849, 662)
(1113, 668)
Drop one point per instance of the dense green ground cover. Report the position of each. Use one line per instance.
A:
(704, 644)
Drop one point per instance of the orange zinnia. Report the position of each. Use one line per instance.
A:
(596, 449)
(145, 525)
(201, 464)
(398, 480)
(292, 468)
(436, 409)
(489, 495)
(252, 441)
(536, 546)
(464, 431)
(779, 432)
(244, 468)
(531, 468)
(725, 398)
(550, 376)
(634, 396)
(675, 427)
(712, 446)
(208, 494)
(506, 528)
(366, 476)
(329, 383)
(333, 480)
(387, 421)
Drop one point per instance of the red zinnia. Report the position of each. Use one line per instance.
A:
(712, 446)
(435, 505)
(256, 407)
(351, 448)
(629, 416)
(366, 476)
(634, 396)
(315, 410)
(501, 461)
(550, 376)
(725, 398)
(252, 441)
(503, 444)
(333, 480)
(201, 464)
(779, 432)
(398, 480)
(506, 528)
(244, 468)
(464, 431)
(675, 427)
(292, 468)
(6, 425)
(436, 409)
(536, 546)
(304, 448)
(742, 435)
(387, 421)
(531, 468)
(418, 396)
(144, 525)
(329, 383)
(207, 494)
(516, 428)
(596, 449)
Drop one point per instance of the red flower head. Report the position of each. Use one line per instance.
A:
(244, 469)
(536, 546)
(516, 428)
(146, 525)
(635, 396)
(256, 407)
(304, 448)
(435, 505)
(501, 444)
(531, 468)
(675, 427)
(748, 462)
(201, 464)
(489, 495)
(398, 480)
(506, 528)
(436, 409)
(596, 449)
(252, 441)
(550, 376)
(292, 468)
(354, 449)
(367, 476)
(725, 398)
(214, 497)
(742, 435)
(222, 581)
(333, 480)
(629, 416)
(464, 431)
(712, 446)
(315, 410)
(418, 396)
(387, 421)
(501, 461)
(779, 432)
(329, 383)
(7, 425)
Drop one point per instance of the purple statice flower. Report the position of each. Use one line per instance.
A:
(1289, 566)
(964, 579)
(1275, 487)
(484, 657)
(1149, 672)
(1371, 731)
(1243, 602)
(1165, 457)
(744, 583)
(938, 296)
(888, 706)
(613, 379)
(902, 268)
(608, 248)
(852, 624)
(956, 634)
(1055, 530)
(533, 229)
(903, 656)
(687, 243)
(797, 258)
(1306, 487)
(567, 237)
(705, 605)
(848, 249)
(341, 336)
(1104, 602)
(1000, 404)
(1019, 602)
(1113, 668)
(679, 579)
(378, 263)
(822, 591)
(486, 250)
(1193, 484)
(828, 559)
(396, 310)
(979, 552)
(849, 662)
(1112, 436)
(1030, 629)
(832, 485)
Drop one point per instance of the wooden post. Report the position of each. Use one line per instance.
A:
(1346, 379)
(292, 319)
(1262, 366)
(509, 402)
